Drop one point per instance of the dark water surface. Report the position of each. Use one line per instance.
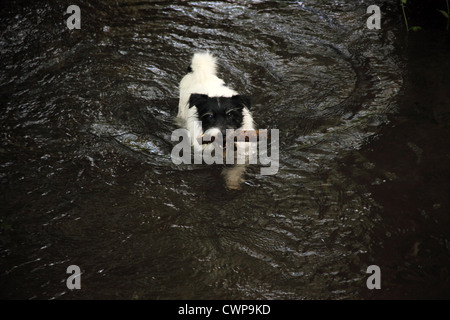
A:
(87, 179)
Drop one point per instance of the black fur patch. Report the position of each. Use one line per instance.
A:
(219, 112)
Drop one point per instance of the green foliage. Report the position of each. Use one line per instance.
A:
(413, 28)
(446, 14)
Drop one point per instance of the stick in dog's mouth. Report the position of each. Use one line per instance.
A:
(242, 136)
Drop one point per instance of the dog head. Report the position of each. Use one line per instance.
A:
(219, 112)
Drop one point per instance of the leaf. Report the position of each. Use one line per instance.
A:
(444, 13)
(416, 28)
(403, 1)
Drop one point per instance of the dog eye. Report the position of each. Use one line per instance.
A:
(207, 116)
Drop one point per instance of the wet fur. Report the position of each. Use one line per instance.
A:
(205, 97)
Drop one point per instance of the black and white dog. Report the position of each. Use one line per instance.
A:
(207, 108)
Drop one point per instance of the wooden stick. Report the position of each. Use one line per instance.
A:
(241, 136)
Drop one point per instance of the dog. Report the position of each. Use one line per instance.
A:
(207, 107)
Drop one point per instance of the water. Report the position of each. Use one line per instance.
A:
(87, 178)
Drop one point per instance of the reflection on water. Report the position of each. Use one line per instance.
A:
(87, 178)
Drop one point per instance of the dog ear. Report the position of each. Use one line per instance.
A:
(197, 99)
(242, 101)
